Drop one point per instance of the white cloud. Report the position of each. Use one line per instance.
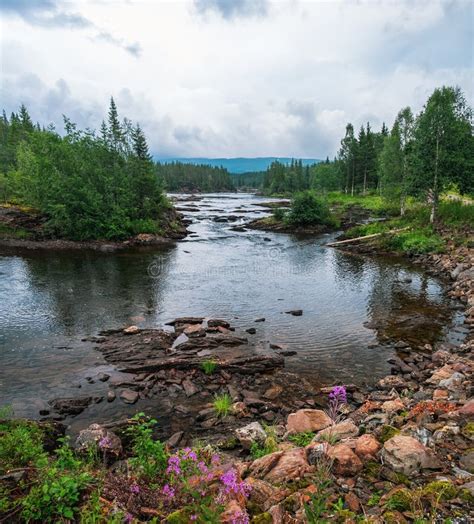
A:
(215, 78)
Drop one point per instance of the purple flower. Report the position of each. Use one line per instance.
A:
(173, 465)
(193, 517)
(128, 518)
(232, 485)
(339, 394)
(202, 467)
(240, 517)
(168, 491)
(135, 488)
(215, 459)
(105, 442)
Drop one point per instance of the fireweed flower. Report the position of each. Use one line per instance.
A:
(202, 467)
(173, 465)
(193, 517)
(128, 518)
(215, 459)
(240, 517)
(135, 489)
(168, 491)
(232, 485)
(337, 397)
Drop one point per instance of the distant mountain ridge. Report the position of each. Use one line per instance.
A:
(239, 164)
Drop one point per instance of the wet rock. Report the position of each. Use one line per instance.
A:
(72, 406)
(295, 312)
(345, 462)
(111, 396)
(261, 319)
(129, 396)
(131, 330)
(307, 420)
(251, 331)
(249, 434)
(97, 435)
(194, 330)
(407, 455)
(103, 377)
(340, 431)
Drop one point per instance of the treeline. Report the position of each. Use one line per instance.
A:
(420, 156)
(179, 176)
(89, 186)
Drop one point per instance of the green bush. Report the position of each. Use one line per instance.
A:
(415, 242)
(279, 214)
(302, 439)
(307, 209)
(20, 445)
(150, 457)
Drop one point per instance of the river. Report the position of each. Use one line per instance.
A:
(354, 307)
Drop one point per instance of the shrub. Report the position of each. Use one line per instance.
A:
(222, 404)
(415, 242)
(20, 445)
(308, 209)
(302, 439)
(258, 450)
(150, 457)
(279, 214)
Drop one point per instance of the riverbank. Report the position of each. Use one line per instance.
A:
(24, 229)
(400, 451)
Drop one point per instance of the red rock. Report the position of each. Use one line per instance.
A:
(307, 420)
(367, 447)
(345, 462)
(352, 501)
(467, 411)
(440, 394)
(281, 466)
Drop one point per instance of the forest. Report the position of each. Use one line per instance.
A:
(184, 177)
(89, 185)
(420, 156)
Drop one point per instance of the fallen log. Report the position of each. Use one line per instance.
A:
(366, 237)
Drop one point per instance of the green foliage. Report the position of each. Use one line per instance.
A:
(440, 490)
(150, 457)
(317, 506)
(279, 214)
(415, 242)
(269, 446)
(302, 439)
(222, 404)
(20, 445)
(209, 366)
(388, 432)
(55, 497)
(179, 176)
(308, 209)
(88, 186)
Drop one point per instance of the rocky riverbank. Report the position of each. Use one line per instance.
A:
(22, 229)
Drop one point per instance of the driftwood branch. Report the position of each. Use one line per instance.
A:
(366, 237)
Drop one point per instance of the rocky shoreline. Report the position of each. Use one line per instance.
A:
(14, 219)
(400, 451)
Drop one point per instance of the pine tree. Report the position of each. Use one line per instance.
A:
(114, 127)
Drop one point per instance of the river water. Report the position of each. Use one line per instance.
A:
(353, 306)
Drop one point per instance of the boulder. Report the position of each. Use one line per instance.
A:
(295, 312)
(194, 330)
(467, 411)
(391, 382)
(307, 420)
(366, 447)
(467, 461)
(281, 466)
(249, 434)
(407, 455)
(392, 406)
(264, 495)
(343, 430)
(72, 406)
(345, 462)
(97, 435)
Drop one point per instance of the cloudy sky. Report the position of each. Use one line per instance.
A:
(233, 77)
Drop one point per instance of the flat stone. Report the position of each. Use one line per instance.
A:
(175, 439)
(340, 431)
(129, 396)
(392, 406)
(189, 387)
(273, 392)
(281, 466)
